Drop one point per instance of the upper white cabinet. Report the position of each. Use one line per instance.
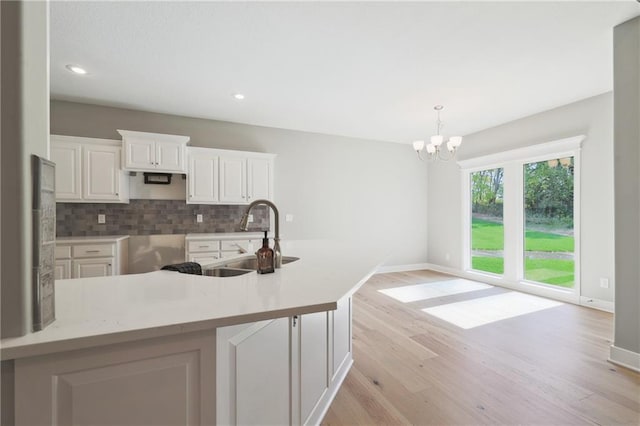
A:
(154, 152)
(202, 176)
(88, 170)
(217, 176)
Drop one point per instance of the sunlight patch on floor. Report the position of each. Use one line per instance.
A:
(413, 293)
(485, 310)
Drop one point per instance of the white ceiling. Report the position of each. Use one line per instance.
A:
(368, 70)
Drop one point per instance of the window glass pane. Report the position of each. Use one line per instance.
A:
(548, 236)
(487, 230)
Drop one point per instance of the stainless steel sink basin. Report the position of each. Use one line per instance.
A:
(252, 262)
(225, 272)
(241, 266)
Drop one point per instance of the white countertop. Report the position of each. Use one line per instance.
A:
(98, 311)
(91, 239)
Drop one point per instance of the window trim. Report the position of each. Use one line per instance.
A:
(513, 161)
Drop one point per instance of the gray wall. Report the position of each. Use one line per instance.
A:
(592, 117)
(336, 187)
(25, 131)
(627, 179)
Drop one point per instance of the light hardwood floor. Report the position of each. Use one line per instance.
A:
(543, 368)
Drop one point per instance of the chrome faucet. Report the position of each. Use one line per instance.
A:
(244, 223)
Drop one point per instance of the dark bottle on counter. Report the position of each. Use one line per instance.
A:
(265, 257)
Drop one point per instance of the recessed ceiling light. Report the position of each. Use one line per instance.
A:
(76, 69)
(239, 96)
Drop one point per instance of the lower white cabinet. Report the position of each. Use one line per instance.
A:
(282, 371)
(207, 248)
(91, 257)
(164, 381)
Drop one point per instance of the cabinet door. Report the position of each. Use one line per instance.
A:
(87, 268)
(203, 179)
(139, 154)
(341, 334)
(62, 269)
(314, 353)
(169, 156)
(260, 356)
(233, 184)
(102, 173)
(68, 159)
(259, 179)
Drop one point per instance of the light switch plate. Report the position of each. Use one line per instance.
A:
(250, 218)
(102, 218)
(199, 218)
(604, 282)
(288, 217)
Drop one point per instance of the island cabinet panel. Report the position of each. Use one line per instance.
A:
(314, 353)
(169, 381)
(341, 335)
(262, 371)
(282, 371)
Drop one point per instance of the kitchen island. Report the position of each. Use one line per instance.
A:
(171, 348)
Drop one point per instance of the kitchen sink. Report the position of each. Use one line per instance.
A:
(225, 272)
(241, 266)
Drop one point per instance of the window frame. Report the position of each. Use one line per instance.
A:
(513, 162)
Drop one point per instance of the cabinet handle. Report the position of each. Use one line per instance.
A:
(117, 193)
(92, 251)
(203, 246)
(295, 320)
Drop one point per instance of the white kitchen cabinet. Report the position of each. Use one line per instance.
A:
(218, 176)
(202, 176)
(259, 178)
(341, 330)
(314, 356)
(254, 359)
(207, 248)
(68, 159)
(262, 373)
(102, 173)
(163, 381)
(233, 180)
(88, 170)
(154, 152)
(85, 257)
(87, 268)
(62, 269)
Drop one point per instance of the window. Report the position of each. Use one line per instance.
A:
(521, 215)
(548, 222)
(487, 227)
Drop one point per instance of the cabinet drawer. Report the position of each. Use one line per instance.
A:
(63, 252)
(198, 246)
(94, 250)
(232, 245)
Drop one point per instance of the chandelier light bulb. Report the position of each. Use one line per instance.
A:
(437, 140)
(431, 149)
(418, 145)
(455, 141)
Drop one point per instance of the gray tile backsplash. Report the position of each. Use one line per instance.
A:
(152, 217)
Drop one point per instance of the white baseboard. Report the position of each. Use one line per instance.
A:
(402, 268)
(625, 358)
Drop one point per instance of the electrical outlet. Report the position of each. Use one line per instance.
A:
(288, 217)
(250, 218)
(199, 218)
(604, 282)
(102, 218)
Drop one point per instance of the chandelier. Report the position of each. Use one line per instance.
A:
(434, 148)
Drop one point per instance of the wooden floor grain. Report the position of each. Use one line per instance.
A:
(544, 368)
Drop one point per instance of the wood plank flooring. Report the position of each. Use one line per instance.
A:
(543, 368)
